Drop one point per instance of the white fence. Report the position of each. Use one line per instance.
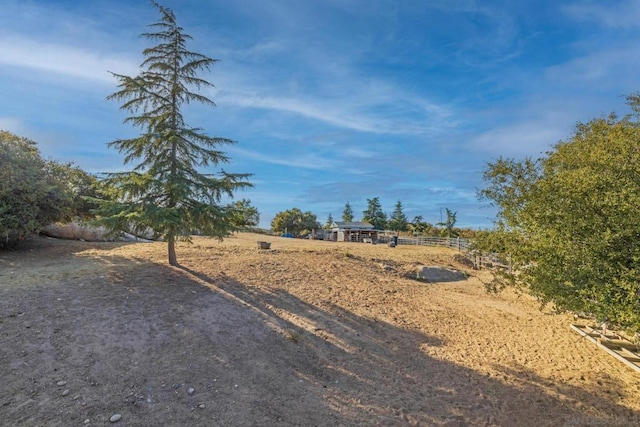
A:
(458, 243)
(465, 246)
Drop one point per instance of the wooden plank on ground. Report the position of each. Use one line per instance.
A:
(618, 343)
(623, 354)
(629, 355)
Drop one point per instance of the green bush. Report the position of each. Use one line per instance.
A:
(35, 192)
(570, 221)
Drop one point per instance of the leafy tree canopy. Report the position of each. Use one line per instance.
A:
(295, 221)
(244, 214)
(570, 220)
(166, 191)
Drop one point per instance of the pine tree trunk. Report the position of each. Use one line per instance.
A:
(171, 246)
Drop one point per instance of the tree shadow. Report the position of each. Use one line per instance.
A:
(174, 346)
(354, 356)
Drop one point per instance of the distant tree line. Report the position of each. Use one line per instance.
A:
(296, 222)
(399, 222)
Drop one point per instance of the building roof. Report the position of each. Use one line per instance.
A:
(342, 225)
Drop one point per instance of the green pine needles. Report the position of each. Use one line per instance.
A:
(166, 193)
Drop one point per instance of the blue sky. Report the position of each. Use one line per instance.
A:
(334, 100)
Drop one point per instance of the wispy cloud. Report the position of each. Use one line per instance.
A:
(364, 114)
(402, 100)
(520, 139)
(620, 14)
(604, 69)
(307, 160)
(62, 60)
(484, 36)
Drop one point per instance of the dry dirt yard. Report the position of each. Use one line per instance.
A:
(309, 333)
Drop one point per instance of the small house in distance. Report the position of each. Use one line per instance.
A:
(351, 232)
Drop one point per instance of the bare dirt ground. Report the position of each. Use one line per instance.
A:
(308, 333)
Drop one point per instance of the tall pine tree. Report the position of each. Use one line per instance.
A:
(166, 192)
(327, 224)
(398, 220)
(347, 214)
(374, 214)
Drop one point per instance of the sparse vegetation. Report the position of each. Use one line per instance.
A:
(293, 336)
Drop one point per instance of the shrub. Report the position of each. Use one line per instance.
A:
(33, 192)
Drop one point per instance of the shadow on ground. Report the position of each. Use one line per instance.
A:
(440, 274)
(173, 346)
